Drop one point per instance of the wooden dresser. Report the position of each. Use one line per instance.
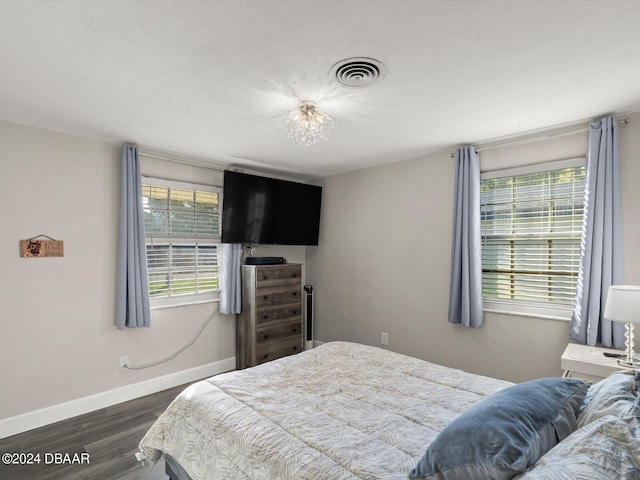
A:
(270, 325)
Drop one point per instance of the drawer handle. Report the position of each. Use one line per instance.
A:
(295, 312)
(265, 316)
(294, 293)
(295, 348)
(264, 337)
(265, 277)
(266, 355)
(294, 275)
(294, 330)
(265, 297)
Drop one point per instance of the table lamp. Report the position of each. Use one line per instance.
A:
(623, 305)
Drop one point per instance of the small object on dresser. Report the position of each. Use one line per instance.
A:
(613, 355)
(266, 260)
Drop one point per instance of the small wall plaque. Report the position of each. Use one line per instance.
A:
(35, 248)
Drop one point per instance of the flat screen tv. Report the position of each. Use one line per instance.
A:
(268, 211)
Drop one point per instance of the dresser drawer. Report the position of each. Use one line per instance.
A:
(272, 314)
(271, 351)
(278, 275)
(267, 297)
(279, 331)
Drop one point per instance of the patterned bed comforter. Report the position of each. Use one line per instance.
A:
(339, 411)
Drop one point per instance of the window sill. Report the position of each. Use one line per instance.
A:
(160, 304)
(524, 309)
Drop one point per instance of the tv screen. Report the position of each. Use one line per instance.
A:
(269, 211)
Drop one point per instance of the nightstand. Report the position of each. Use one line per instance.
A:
(588, 363)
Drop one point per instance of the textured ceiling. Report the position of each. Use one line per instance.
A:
(213, 79)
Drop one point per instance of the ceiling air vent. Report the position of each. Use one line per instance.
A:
(358, 71)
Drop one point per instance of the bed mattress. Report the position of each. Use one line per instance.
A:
(340, 411)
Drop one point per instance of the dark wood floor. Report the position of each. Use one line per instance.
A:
(109, 436)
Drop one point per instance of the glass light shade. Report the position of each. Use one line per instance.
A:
(307, 125)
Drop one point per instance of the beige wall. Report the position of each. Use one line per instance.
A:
(58, 341)
(383, 263)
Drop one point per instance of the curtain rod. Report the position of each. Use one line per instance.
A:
(182, 161)
(624, 121)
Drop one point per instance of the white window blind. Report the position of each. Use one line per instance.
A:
(182, 229)
(531, 224)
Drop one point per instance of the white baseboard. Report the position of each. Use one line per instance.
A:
(62, 411)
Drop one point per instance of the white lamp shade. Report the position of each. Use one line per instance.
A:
(623, 303)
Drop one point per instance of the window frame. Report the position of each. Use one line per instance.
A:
(519, 307)
(177, 240)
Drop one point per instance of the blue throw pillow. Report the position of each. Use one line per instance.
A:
(504, 434)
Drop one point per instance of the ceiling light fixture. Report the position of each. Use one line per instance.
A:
(307, 125)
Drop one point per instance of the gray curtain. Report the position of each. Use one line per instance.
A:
(230, 286)
(465, 288)
(601, 262)
(132, 295)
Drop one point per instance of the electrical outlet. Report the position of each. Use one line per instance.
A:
(124, 361)
(384, 338)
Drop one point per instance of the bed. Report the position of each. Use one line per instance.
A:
(345, 411)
